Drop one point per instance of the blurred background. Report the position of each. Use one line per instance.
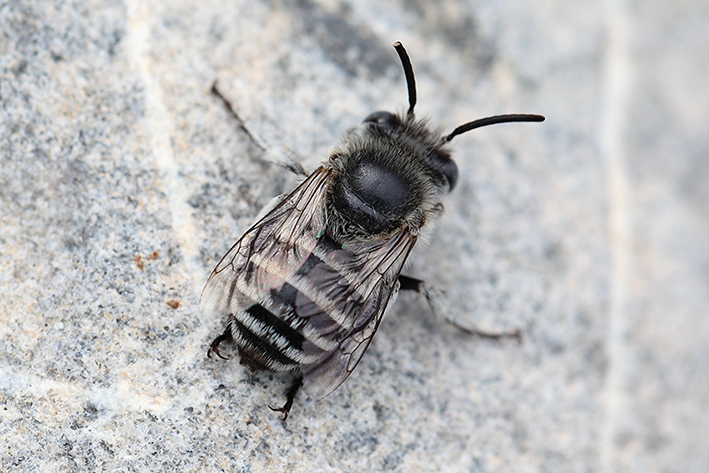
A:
(123, 181)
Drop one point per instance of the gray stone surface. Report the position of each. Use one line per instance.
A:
(123, 181)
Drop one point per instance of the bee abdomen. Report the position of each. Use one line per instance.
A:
(301, 321)
(266, 341)
(287, 334)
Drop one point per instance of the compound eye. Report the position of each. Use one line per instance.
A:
(450, 170)
(385, 121)
(441, 161)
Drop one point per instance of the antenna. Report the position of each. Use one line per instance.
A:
(409, 73)
(480, 122)
(411, 86)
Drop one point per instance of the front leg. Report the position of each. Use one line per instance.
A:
(439, 306)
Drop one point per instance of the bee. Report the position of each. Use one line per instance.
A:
(305, 288)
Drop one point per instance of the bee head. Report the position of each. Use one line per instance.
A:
(425, 142)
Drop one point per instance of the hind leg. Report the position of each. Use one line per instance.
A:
(439, 307)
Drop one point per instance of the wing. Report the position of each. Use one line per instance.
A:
(270, 252)
(375, 268)
(301, 294)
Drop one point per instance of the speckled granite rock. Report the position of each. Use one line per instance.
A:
(122, 181)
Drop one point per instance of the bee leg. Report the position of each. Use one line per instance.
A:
(230, 108)
(408, 283)
(214, 346)
(280, 157)
(437, 302)
(514, 334)
(293, 166)
(290, 397)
